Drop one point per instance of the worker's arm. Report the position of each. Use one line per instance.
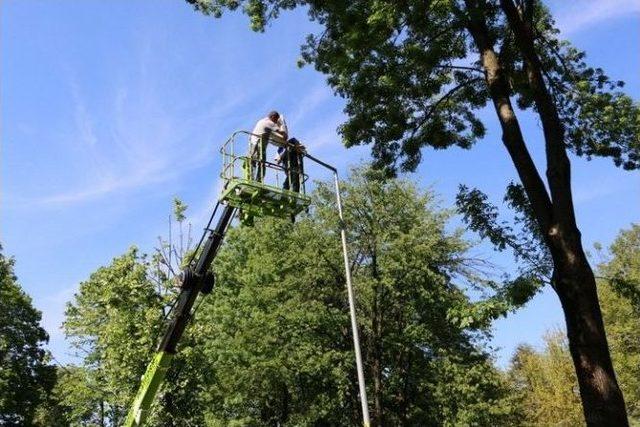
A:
(282, 128)
(278, 157)
(281, 135)
(277, 137)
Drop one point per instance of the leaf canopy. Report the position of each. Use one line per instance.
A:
(411, 76)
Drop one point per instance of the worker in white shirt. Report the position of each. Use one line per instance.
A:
(266, 129)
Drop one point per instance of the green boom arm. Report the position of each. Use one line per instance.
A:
(193, 281)
(151, 381)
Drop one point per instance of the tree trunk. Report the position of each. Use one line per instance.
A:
(602, 400)
(376, 327)
(511, 132)
(284, 405)
(573, 278)
(406, 395)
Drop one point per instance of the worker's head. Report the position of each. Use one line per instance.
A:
(274, 116)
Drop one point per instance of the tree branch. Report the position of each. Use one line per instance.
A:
(439, 102)
(511, 132)
(558, 165)
(460, 67)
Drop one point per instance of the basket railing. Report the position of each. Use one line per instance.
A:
(238, 163)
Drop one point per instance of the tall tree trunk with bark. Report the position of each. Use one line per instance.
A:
(573, 279)
(602, 400)
(376, 362)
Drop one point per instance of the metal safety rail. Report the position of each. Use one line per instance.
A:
(254, 184)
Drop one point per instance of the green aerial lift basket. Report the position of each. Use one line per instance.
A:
(254, 185)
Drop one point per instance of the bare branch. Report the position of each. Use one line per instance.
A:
(460, 67)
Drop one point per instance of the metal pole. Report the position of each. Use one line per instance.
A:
(352, 309)
(352, 305)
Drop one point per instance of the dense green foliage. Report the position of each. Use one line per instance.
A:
(546, 383)
(111, 322)
(620, 296)
(280, 313)
(272, 344)
(411, 74)
(25, 374)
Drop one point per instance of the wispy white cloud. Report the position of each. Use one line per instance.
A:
(315, 98)
(84, 123)
(146, 144)
(53, 307)
(86, 138)
(575, 16)
(137, 136)
(590, 191)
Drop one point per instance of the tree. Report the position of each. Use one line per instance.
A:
(114, 321)
(415, 72)
(276, 334)
(272, 345)
(546, 383)
(77, 400)
(26, 377)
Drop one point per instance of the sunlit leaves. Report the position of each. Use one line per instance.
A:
(279, 321)
(25, 374)
(545, 382)
(411, 79)
(619, 291)
(112, 323)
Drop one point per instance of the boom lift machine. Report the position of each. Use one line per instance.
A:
(251, 192)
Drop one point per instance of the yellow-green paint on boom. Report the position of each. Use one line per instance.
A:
(151, 382)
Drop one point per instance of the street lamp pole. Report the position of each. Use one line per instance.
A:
(352, 305)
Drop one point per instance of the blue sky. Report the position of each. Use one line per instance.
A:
(110, 109)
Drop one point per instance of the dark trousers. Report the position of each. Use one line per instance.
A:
(293, 166)
(259, 157)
